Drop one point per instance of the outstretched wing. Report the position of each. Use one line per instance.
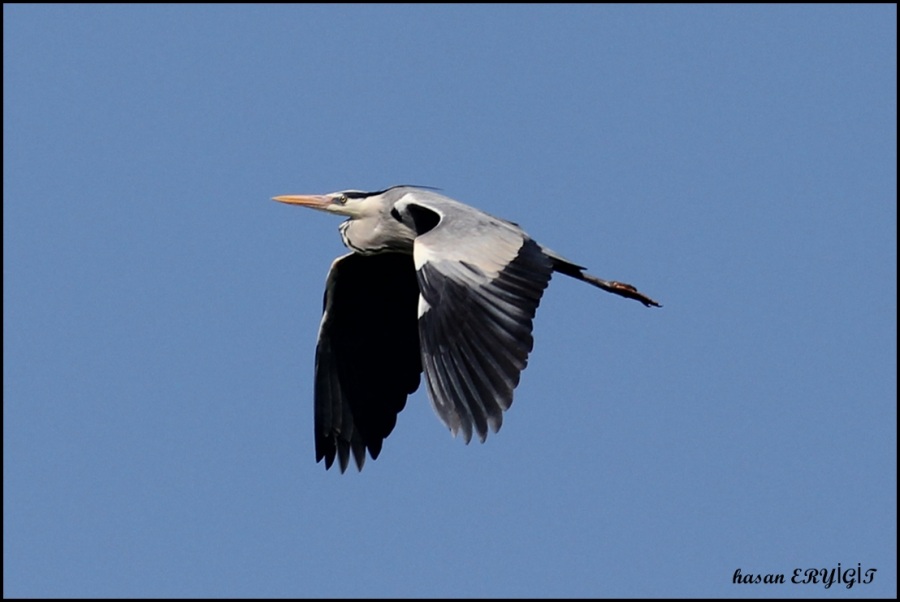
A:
(480, 280)
(367, 356)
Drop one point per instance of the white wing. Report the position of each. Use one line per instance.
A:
(480, 283)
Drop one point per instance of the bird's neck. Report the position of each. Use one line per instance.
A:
(368, 236)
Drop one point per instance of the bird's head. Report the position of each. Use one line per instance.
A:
(354, 204)
(374, 225)
(349, 203)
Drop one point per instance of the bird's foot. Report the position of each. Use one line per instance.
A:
(627, 290)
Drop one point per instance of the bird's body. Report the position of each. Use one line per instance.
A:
(432, 285)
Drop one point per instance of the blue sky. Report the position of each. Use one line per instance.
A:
(160, 311)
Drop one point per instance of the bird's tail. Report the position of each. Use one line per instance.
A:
(563, 266)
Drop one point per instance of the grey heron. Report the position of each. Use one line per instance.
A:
(434, 286)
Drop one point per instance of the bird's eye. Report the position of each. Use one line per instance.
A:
(340, 199)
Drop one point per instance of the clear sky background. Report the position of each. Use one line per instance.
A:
(160, 311)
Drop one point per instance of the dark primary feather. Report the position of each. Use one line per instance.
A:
(367, 358)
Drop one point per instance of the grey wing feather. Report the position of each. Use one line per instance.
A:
(367, 356)
(480, 288)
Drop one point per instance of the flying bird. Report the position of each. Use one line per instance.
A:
(434, 286)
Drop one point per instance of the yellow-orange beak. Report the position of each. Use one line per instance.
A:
(315, 201)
